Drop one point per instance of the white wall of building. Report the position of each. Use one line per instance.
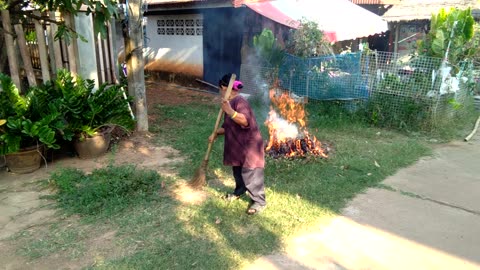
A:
(174, 44)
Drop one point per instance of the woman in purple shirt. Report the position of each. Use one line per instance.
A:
(243, 149)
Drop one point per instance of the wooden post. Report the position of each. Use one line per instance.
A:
(113, 52)
(27, 60)
(3, 53)
(107, 56)
(56, 52)
(71, 47)
(11, 53)
(42, 48)
(395, 42)
(101, 59)
(51, 52)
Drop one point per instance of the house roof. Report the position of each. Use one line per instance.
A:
(180, 3)
(339, 19)
(165, 2)
(374, 2)
(409, 10)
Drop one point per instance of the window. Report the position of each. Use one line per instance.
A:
(180, 27)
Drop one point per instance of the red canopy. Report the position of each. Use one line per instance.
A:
(339, 19)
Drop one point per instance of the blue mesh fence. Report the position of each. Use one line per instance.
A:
(324, 78)
(397, 91)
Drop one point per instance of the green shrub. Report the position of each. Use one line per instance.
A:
(29, 119)
(85, 108)
(400, 112)
(108, 189)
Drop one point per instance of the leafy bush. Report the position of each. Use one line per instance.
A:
(268, 49)
(29, 118)
(401, 112)
(450, 30)
(108, 189)
(308, 41)
(85, 109)
(63, 107)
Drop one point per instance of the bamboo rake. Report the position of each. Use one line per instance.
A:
(199, 178)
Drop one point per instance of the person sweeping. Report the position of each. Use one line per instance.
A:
(243, 149)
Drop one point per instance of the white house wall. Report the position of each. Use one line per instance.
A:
(174, 44)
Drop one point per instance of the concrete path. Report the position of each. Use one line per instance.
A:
(427, 216)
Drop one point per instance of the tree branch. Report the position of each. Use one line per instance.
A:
(33, 16)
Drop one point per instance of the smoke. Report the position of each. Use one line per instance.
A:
(282, 128)
(253, 77)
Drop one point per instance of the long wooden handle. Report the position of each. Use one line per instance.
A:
(220, 115)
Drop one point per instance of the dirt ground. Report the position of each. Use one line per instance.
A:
(21, 206)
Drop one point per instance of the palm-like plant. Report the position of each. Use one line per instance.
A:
(28, 119)
(86, 110)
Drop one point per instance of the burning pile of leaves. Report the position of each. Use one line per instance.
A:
(286, 124)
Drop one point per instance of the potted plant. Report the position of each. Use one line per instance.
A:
(29, 123)
(90, 113)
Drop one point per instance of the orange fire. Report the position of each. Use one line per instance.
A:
(287, 129)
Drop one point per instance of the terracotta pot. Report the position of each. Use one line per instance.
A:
(92, 147)
(25, 161)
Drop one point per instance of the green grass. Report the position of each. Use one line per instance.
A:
(57, 239)
(158, 231)
(105, 191)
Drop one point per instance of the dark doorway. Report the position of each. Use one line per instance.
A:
(222, 42)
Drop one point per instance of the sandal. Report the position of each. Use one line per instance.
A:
(230, 197)
(255, 208)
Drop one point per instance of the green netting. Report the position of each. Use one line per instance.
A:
(324, 78)
(396, 91)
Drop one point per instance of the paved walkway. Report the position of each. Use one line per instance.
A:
(427, 216)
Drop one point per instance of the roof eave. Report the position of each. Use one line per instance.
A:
(193, 4)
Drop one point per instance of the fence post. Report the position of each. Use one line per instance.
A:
(12, 56)
(290, 81)
(72, 50)
(308, 80)
(27, 60)
(42, 48)
(55, 51)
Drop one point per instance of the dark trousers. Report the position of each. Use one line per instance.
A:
(251, 180)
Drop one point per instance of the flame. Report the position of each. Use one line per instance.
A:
(292, 111)
(288, 135)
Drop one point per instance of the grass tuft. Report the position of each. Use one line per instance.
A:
(108, 189)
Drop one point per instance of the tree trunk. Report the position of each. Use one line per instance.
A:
(12, 56)
(135, 63)
(42, 49)
(27, 60)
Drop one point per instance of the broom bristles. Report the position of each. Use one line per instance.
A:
(199, 178)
